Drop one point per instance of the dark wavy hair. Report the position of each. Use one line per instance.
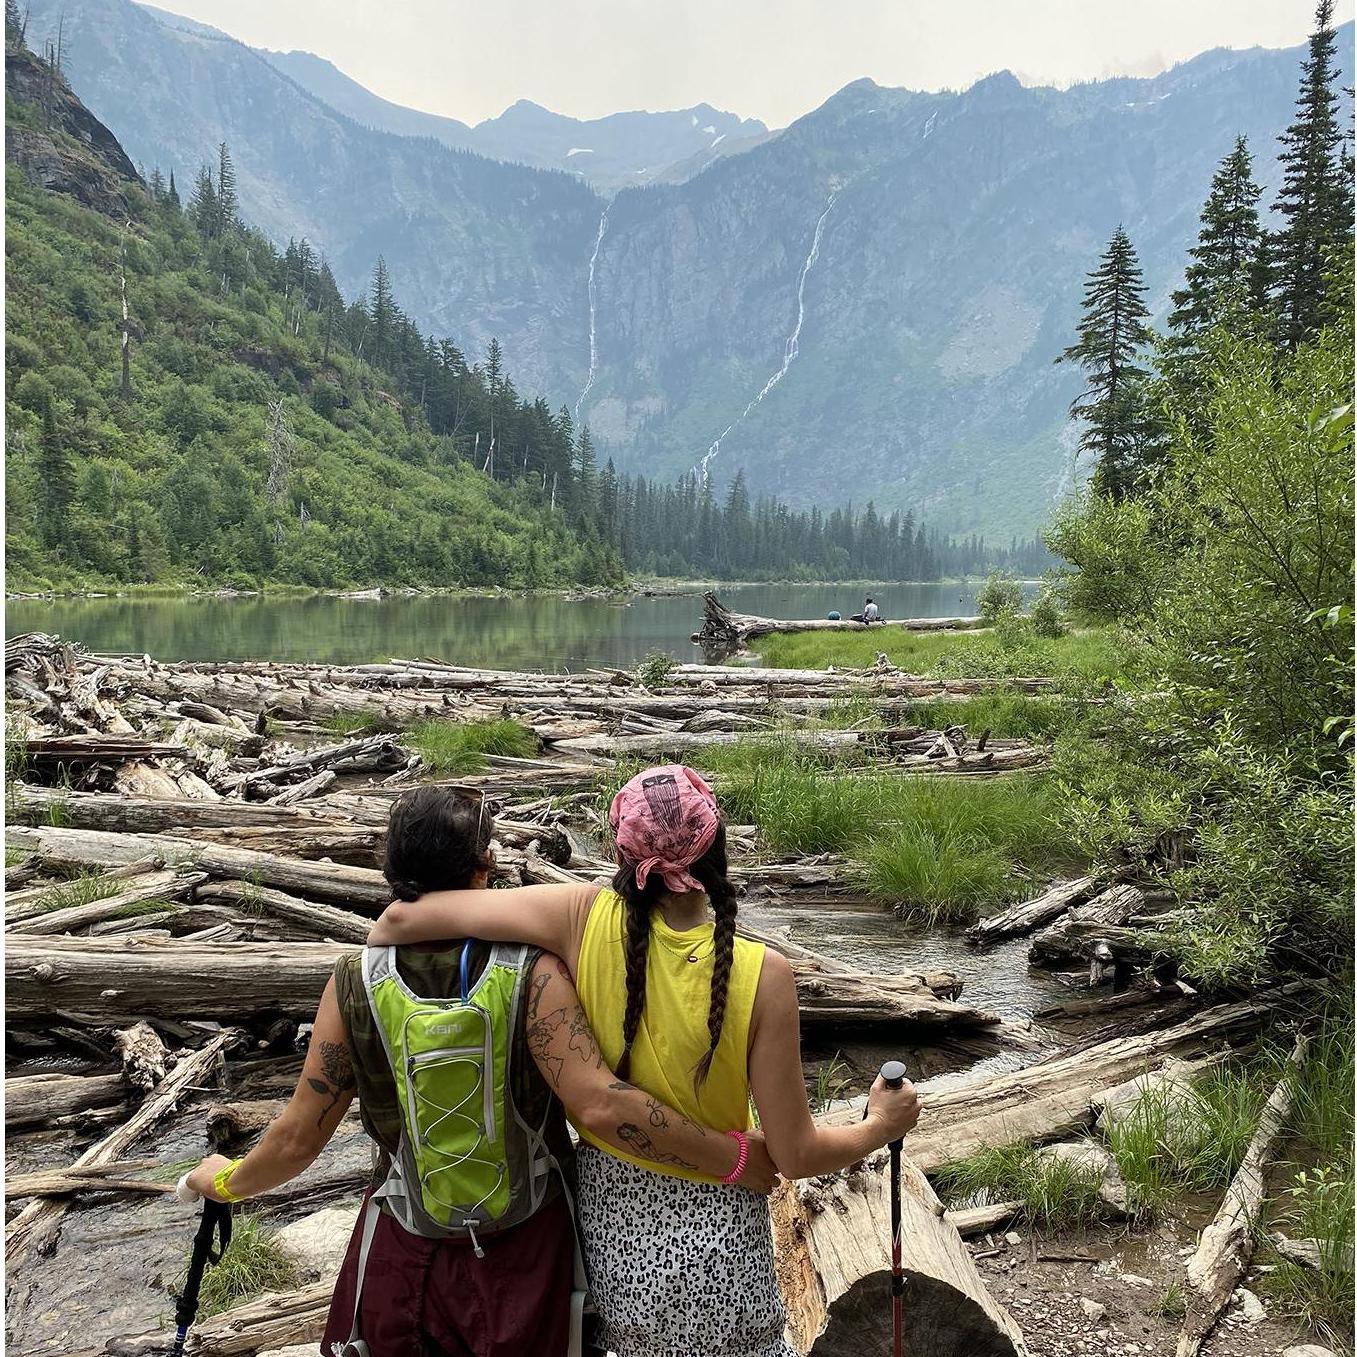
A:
(437, 838)
(712, 870)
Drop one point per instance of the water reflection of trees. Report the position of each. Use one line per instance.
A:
(535, 632)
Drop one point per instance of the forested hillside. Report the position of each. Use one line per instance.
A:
(188, 404)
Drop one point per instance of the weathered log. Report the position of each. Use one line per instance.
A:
(974, 1220)
(166, 885)
(96, 748)
(832, 1239)
(723, 632)
(25, 904)
(36, 1226)
(1072, 937)
(1054, 1096)
(93, 848)
(116, 978)
(36, 1099)
(69, 1183)
(680, 743)
(303, 791)
(1226, 1244)
(322, 921)
(143, 1056)
(1030, 914)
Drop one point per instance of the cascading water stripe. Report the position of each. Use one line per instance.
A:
(593, 311)
(793, 345)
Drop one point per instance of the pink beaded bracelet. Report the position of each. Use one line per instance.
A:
(741, 1160)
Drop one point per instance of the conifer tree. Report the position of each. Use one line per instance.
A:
(228, 205)
(56, 479)
(382, 311)
(1112, 332)
(172, 193)
(14, 23)
(1225, 268)
(1315, 201)
(202, 206)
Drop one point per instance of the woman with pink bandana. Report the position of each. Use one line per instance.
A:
(699, 1019)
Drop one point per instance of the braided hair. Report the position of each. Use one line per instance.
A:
(438, 838)
(712, 870)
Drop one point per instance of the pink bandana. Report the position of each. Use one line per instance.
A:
(664, 820)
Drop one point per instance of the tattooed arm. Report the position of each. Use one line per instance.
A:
(304, 1127)
(563, 1047)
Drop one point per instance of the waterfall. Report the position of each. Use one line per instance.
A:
(793, 344)
(593, 312)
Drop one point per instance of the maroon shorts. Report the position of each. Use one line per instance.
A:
(434, 1296)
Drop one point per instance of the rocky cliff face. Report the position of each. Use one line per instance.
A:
(58, 143)
(865, 305)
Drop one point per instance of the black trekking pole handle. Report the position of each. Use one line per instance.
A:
(893, 1075)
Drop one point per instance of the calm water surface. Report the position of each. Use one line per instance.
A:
(538, 632)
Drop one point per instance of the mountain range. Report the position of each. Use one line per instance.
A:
(863, 305)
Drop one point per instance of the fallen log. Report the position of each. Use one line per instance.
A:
(36, 1099)
(723, 632)
(36, 1226)
(1046, 1100)
(167, 885)
(110, 979)
(831, 1240)
(69, 1183)
(1226, 1244)
(1030, 914)
(94, 848)
(322, 921)
(1073, 937)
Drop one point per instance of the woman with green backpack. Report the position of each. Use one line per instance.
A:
(699, 1020)
(465, 1246)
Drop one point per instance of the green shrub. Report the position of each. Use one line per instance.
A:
(252, 1264)
(999, 596)
(1055, 1193)
(1045, 614)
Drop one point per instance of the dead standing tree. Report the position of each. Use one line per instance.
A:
(282, 445)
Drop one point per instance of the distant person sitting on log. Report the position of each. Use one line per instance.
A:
(454, 1050)
(870, 612)
(691, 1015)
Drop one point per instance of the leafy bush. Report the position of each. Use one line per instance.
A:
(999, 596)
(1045, 614)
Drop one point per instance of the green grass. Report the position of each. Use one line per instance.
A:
(14, 856)
(1172, 1304)
(940, 848)
(345, 723)
(1176, 1141)
(252, 1264)
(1055, 1193)
(459, 747)
(1318, 1202)
(1009, 652)
(134, 909)
(830, 1081)
(83, 889)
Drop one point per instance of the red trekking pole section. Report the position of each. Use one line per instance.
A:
(893, 1073)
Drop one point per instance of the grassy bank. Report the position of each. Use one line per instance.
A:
(1012, 651)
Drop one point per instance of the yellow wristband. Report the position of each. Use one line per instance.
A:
(222, 1182)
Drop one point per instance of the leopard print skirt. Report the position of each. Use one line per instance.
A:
(678, 1269)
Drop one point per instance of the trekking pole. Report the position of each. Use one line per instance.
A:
(214, 1227)
(893, 1073)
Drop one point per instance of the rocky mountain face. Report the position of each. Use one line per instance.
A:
(58, 143)
(864, 305)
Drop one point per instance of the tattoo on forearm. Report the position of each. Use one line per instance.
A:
(638, 1141)
(621, 1086)
(336, 1067)
(657, 1118)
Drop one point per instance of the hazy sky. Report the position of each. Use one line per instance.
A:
(769, 59)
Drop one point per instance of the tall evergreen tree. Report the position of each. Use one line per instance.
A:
(14, 23)
(382, 310)
(172, 193)
(202, 206)
(56, 479)
(1112, 332)
(228, 205)
(1226, 263)
(1315, 201)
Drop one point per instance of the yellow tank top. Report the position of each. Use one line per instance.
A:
(672, 1037)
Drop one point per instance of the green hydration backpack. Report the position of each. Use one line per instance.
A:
(468, 1162)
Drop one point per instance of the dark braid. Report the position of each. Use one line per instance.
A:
(639, 902)
(711, 870)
